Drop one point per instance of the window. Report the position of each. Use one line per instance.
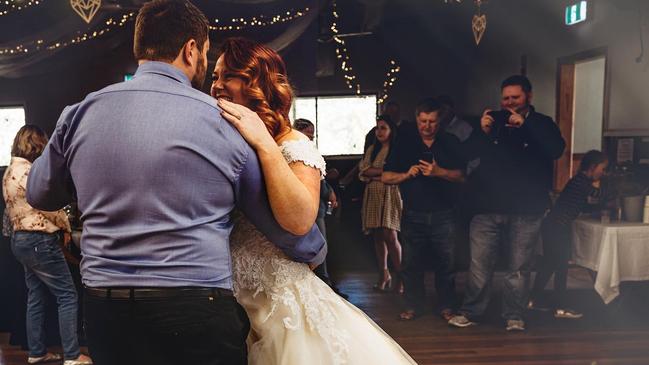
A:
(341, 122)
(11, 120)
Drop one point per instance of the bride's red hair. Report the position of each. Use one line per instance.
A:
(266, 84)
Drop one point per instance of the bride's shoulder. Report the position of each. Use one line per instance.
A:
(291, 136)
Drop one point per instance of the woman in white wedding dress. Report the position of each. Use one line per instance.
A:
(295, 317)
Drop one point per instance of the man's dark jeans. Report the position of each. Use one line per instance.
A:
(179, 330)
(487, 231)
(425, 236)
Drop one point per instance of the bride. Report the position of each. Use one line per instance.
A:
(295, 318)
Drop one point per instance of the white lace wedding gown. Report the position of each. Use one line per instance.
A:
(295, 318)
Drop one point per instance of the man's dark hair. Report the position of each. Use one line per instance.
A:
(427, 105)
(591, 159)
(301, 124)
(164, 26)
(517, 80)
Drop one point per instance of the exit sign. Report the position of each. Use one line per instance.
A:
(576, 13)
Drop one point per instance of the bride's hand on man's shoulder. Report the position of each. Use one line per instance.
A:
(247, 122)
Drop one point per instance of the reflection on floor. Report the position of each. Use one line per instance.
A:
(613, 334)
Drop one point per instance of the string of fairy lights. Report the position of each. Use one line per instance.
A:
(342, 54)
(39, 44)
(260, 20)
(390, 80)
(11, 6)
(110, 24)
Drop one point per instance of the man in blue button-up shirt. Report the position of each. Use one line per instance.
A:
(156, 172)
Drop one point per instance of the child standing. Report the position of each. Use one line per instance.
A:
(556, 230)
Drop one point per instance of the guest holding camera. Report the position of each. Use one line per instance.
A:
(511, 178)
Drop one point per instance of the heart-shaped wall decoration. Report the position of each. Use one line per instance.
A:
(86, 8)
(479, 25)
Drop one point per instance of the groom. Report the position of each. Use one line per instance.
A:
(156, 172)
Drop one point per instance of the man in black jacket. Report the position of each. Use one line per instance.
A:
(511, 177)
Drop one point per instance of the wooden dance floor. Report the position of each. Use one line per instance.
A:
(614, 334)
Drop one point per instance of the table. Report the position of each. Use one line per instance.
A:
(617, 251)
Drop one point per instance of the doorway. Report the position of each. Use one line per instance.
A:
(582, 108)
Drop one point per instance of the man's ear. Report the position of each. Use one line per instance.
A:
(529, 97)
(189, 52)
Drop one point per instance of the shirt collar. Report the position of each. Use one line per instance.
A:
(16, 159)
(164, 69)
(530, 110)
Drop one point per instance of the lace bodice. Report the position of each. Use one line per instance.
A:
(262, 269)
(253, 255)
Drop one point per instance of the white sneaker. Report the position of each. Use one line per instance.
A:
(515, 325)
(81, 360)
(48, 357)
(567, 314)
(461, 321)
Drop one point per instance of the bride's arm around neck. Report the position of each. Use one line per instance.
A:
(293, 189)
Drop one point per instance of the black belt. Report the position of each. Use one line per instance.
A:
(153, 293)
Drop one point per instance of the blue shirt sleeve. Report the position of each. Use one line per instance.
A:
(49, 184)
(253, 201)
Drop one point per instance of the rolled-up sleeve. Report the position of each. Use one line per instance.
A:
(253, 202)
(49, 185)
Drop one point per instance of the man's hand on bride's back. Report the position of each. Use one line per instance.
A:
(251, 127)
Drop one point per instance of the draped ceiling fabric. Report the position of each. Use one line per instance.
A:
(54, 21)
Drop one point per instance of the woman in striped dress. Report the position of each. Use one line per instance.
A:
(382, 205)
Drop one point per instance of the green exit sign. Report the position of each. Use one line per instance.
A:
(576, 13)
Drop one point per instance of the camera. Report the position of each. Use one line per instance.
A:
(500, 116)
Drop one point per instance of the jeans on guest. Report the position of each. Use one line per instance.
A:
(46, 270)
(486, 232)
(178, 330)
(424, 235)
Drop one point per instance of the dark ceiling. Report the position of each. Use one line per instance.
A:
(422, 34)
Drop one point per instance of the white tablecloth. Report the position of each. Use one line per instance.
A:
(616, 251)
